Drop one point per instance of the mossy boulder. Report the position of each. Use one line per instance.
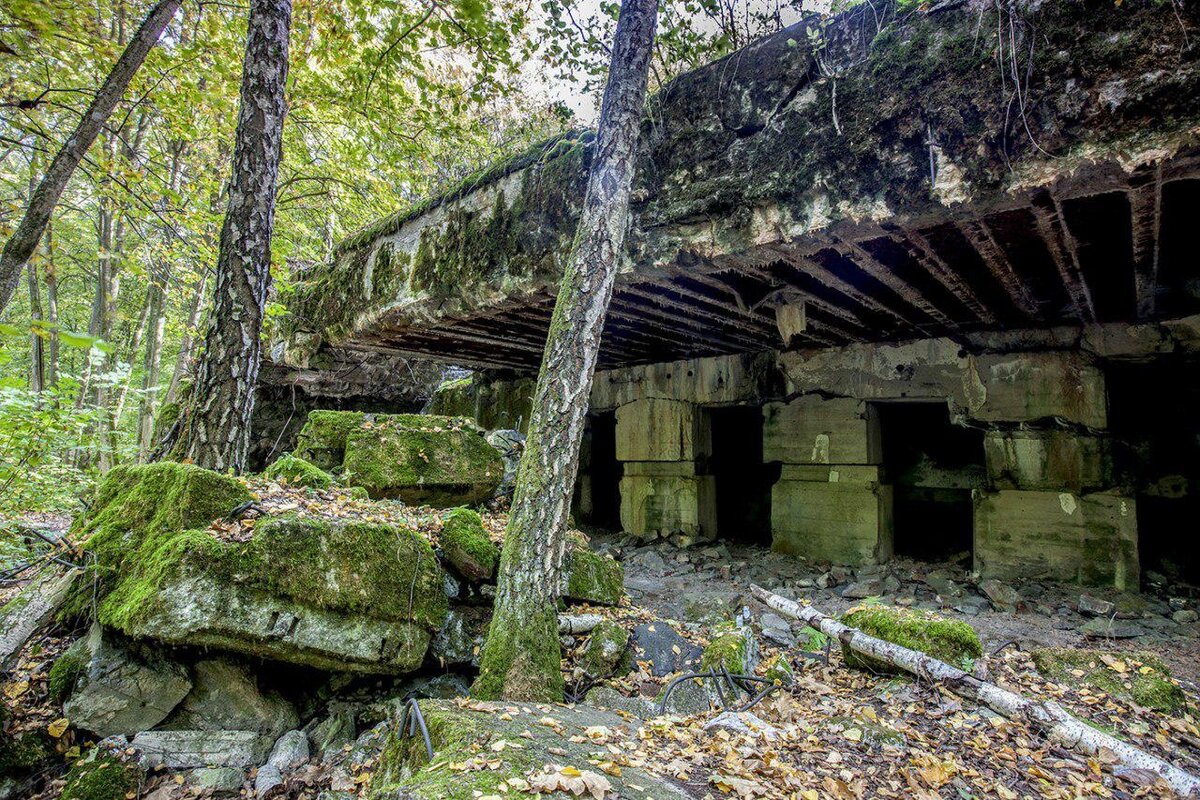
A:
(336, 595)
(455, 398)
(460, 734)
(295, 470)
(102, 776)
(67, 669)
(593, 578)
(608, 652)
(467, 547)
(948, 640)
(1138, 676)
(732, 649)
(322, 440)
(438, 461)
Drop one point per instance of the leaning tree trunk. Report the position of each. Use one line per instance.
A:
(217, 420)
(521, 657)
(1047, 715)
(23, 242)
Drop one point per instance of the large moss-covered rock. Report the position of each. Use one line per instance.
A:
(322, 440)
(439, 461)
(459, 734)
(335, 595)
(467, 547)
(593, 578)
(1138, 676)
(948, 640)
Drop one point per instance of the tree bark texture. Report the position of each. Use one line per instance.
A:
(521, 657)
(217, 432)
(25, 238)
(1047, 716)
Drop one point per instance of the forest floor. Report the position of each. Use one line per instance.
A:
(835, 732)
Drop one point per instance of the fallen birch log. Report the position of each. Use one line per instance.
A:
(32, 608)
(1046, 715)
(578, 623)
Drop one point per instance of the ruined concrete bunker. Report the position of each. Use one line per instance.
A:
(879, 295)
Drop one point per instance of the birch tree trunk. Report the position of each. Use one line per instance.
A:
(25, 238)
(521, 657)
(152, 362)
(51, 309)
(186, 344)
(217, 420)
(1046, 715)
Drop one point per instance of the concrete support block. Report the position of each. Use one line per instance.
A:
(653, 504)
(814, 430)
(659, 430)
(1021, 387)
(716, 380)
(1089, 539)
(1047, 460)
(839, 514)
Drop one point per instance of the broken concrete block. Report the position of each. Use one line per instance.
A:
(1089, 539)
(664, 504)
(226, 697)
(1019, 387)
(192, 749)
(1095, 606)
(1046, 460)
(836, 521)
(654, 429)
(814, 430)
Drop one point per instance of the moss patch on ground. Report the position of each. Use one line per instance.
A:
(295, 470)
(951, 641)
(731, 649)
(1138, 676)
(104, 777)
(467, 546)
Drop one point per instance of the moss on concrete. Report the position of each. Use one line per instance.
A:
(103, 777)
(1138, 676)
(594, 578)
(67, 669)
(455, 398)
(467, 547)
(322, 440)
(295, 470)
(608, 653)
(951, 641)
(731, 649)
(439, 461)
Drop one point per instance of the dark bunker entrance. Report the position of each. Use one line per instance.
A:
(742, 482)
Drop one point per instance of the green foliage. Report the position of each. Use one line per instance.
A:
(948, 640)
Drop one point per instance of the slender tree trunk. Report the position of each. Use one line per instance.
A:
(37, 359)
(135, 344)
(521, 658)
(1046, 715)
(217, 419)
(188, 342)
(151, 364)
(23, 242)
(51, 308)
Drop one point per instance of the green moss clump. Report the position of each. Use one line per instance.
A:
(730, 649)
(67, 669)
(104, 777)
(521, 658)
(608, 653)
(779, 670)
(322, 440)
(951, 641)
(295, 470)
(1145, 679)
(467, 546)
(593, 578)
(454, 398)
(23, 754)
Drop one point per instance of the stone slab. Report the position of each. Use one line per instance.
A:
(654, 429)
(1020, 387)
(668, 504)
(1089, 539)
(1046, 460)
(843, 523)
(815, 430)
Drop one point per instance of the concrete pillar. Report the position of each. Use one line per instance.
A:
(829, 504)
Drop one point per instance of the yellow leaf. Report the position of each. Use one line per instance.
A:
(14, 689)
(58, 727)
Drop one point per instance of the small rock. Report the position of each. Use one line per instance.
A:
(742, 723)
(330, 734)
(1177, 603)
(709, 607)
(943, 584)
(777, 629)
(225, 697)
(1095, 606)
(667, 651)
(1003, 596)
(867, 587)
(648, 559)
(290, 750)
(607, 697)
(191, 749)
(218, 780)
(460, 640)
(1185, 617)
(688, 698)
(442, 687)
(892, 584)
(1100, 628)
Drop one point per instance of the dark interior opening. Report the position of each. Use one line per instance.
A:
(743, 481)
(932, 465)
(1156, 452)
(604, 472)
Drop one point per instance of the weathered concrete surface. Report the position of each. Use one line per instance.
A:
(1089, 539)
(912, 202)
(1047, 460)
(666, 498)
(838, 514)
(659, 430)
(816, 430)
